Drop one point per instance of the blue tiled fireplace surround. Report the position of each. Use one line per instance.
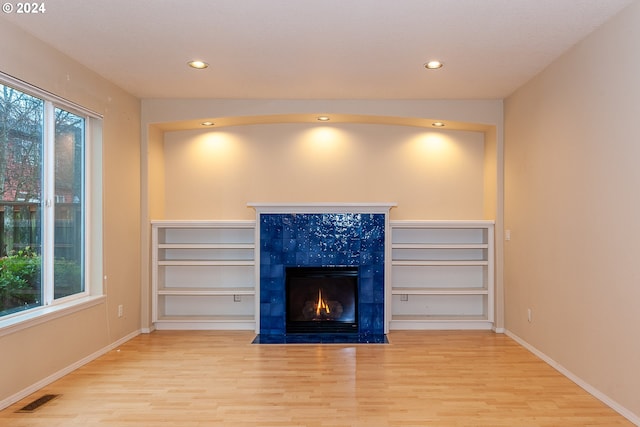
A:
(323, 239)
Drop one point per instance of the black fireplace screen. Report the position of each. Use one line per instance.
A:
(321, 299)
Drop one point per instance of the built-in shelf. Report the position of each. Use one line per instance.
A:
(442, 274)
(203, 274)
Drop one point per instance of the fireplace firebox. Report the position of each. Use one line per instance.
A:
(321, 299)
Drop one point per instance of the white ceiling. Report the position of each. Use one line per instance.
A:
(321, 49)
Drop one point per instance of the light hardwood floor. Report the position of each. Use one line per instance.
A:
(422, 378)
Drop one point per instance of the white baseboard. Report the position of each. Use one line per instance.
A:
(579, 381)
(65, 371)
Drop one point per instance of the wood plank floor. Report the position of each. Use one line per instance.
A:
(422, 378)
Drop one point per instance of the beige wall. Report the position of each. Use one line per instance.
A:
(430, 174)
(31, 355)
(572, 204)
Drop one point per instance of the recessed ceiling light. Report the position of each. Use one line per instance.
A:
(433, 65)
(199, 65)
(437, 124)
(324, 118)
(207, 123)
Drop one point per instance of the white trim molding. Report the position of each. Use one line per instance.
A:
(634, 418)
(323, 207)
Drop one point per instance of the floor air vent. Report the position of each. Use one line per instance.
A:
(37, 404)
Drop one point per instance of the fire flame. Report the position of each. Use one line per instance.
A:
(322, 306)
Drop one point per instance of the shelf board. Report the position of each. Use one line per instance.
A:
(441, 325)
(438, 291)
(206, 262)
(206, 246)
(439, 262)
(438, 318)
(182, 224)
(204, 319)
(439, 245)
(456, 223)
(206, 291)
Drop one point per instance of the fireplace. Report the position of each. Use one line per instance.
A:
(321, 299)
(331, 236)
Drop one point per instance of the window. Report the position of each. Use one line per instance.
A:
(44, 145)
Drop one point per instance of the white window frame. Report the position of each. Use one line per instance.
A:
(92, 189)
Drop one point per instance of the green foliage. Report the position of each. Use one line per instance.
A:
(19, 279)
(67, 277)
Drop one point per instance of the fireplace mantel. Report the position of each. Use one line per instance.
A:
(323, 207)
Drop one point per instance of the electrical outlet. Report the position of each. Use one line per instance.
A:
(120, 310)
(237, 298)
(404, 297)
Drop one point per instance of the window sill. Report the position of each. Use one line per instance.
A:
(45, 314)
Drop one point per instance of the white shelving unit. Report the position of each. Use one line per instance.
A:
(442, 274)
(203, 274)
